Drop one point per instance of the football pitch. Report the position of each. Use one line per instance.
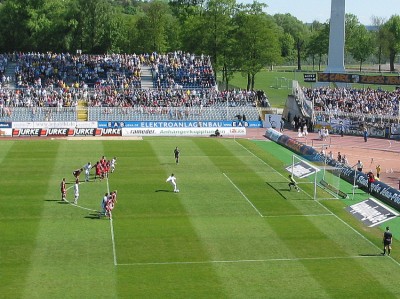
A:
(233, 231)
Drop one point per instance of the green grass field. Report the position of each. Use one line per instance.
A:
(233, 231)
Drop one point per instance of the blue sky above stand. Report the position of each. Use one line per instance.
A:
(320, 10)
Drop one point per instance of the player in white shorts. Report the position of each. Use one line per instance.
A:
(112, 164)
(172, 180)
(76, 191)
(87, 168)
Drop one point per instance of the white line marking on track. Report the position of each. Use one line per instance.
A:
(254, 261)
(240, 191)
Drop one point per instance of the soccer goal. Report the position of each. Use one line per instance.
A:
(318, 180)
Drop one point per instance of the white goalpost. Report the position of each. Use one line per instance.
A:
(318, 180)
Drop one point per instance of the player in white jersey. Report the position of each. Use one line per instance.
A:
(112, 164)
(87, 168)
(172, 180)
(76, 191)
(104, 205)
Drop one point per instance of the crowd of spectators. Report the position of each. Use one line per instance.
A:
(54, 70)
(182, 70)
(62, 80)
(172, 70)
(358, 101)
(107, 96)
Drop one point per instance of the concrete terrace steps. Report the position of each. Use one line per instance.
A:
(146, 77)
(82, 111)
(10, 72)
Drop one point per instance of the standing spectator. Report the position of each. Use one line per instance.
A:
(345, 161)
(365, 134)
(341, 129)
(371, 179)
(359, 165)
(387, 241)
(378, 170)
(282, 124)
(339, 157)
(330, 155)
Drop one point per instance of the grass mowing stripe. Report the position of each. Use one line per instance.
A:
(72, 247)
(245, 197)
(21, 202)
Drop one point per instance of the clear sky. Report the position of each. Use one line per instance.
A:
(320, 10)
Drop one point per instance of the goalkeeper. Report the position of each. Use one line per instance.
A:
(293, 183)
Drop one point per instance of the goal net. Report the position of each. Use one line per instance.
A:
(318, 180)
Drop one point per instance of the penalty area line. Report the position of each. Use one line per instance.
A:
(254, 261)
(297, 215)
(240, 191)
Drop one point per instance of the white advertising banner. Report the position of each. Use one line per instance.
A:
(5, 132)
(231, 131)
(54, 124)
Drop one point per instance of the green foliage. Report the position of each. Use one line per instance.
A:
(256, 35)
(298, 30)
(391, 31)
(362, 45)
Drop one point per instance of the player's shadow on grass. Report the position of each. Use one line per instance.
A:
(163, 190)
(93, 216)
(371, 254)
(62, 202)
(51, 200)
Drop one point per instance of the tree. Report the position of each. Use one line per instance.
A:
(318, 44)
(361, 46)
(154, 26)
(391, 32)
(95, 28)
(256, 41)
(379, 38)
(297, 30)
(217, 26)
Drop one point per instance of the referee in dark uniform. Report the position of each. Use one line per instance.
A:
(176, 154)
(387, 241)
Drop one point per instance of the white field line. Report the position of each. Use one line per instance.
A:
(113, 242)
(112, 232)
(296, 215)
(255, 261)
(78, 206)
(245, 197)
(336, 216)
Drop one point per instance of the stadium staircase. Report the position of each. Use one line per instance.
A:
(10, 72)
(146, 77)
(82, 111)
